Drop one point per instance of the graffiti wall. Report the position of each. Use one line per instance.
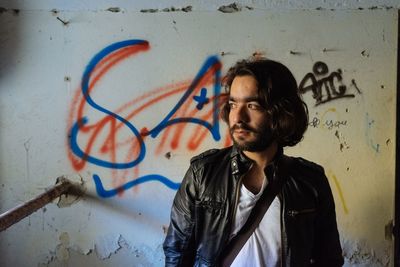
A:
(120, 101)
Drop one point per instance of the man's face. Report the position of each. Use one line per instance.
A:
(248, 121)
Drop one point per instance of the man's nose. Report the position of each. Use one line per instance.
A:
(240, 115)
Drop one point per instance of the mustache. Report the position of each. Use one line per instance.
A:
(243, 126)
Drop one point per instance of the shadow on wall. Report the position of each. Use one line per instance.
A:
(10, 40)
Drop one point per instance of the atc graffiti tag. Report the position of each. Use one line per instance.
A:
(97, 141)
(324, 86)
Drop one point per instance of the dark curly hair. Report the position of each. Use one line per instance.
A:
(279, 95)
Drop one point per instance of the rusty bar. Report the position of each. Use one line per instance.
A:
(16, 214)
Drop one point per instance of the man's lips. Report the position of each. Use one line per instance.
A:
(242, 129)
(241, 133)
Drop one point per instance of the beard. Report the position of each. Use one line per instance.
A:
(263, 138)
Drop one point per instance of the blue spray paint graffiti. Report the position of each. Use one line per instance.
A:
(211, 65)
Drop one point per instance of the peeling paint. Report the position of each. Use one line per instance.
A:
(62, 253)
(115, 248)
(114, 9)
(106, 245)
(365, 53)
(359, 253)
(150, 10)
(66, 200)
(187, 9)
(292, 52)
(167, 9)
(232, 8)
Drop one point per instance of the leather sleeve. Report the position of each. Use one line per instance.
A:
(179, 246)
(328, 249)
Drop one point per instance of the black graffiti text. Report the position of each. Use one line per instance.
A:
(325, 87)
(328, 124)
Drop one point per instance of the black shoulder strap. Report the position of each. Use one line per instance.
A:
(257, 213)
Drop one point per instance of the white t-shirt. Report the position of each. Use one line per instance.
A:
(263, 248)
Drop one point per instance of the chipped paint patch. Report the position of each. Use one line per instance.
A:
(66, 200)
(121, 253)
(114, 9)
(106, 245)
(62, 253)
(232, 8)
(168, 9)
(359, 254)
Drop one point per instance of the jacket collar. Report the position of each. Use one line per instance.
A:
(241, 164)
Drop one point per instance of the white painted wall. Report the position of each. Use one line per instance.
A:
(41, 69)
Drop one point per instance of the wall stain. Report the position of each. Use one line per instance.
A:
(365, 53)
(27, 145)
(340, 192)
(150, 10)
(64, 22)
(388, 142)
(343, 144)
(114, 9)
(14, 11)
(232, 8)
(167, 9)
(369, 125)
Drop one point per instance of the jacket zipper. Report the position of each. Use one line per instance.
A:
(294, 213)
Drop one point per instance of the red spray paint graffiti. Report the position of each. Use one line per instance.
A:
(102, 142)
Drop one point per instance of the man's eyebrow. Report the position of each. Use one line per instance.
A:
(247, 99)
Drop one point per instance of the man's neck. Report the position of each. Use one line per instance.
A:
(263, 158)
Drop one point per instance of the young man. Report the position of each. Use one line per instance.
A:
(264, 113)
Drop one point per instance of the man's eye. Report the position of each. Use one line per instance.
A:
(232, 105)
(253, 106)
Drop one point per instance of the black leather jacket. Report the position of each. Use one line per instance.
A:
(204, 206)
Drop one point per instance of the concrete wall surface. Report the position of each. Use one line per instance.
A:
(130, 139)
(204, 5)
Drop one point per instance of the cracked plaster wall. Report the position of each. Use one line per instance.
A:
(47, 37)
(208, 5)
